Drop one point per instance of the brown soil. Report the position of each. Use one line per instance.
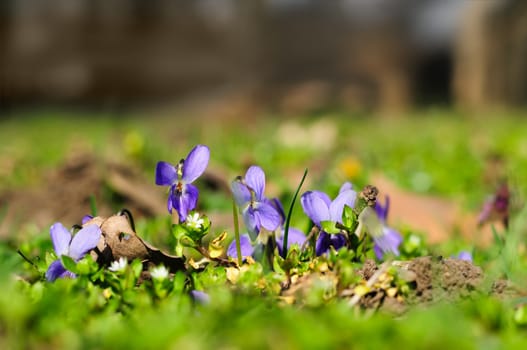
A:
(438, 279)
(430, 280)
(65, 195)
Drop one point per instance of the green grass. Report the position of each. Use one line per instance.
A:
(435, 152)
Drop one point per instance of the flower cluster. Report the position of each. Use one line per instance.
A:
(336, 220)
(183, 196)
(321, 210)
(263, 217)
(327, 215)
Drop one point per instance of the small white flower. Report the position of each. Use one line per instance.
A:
(159, 273)
(119, 265)
(194, 221)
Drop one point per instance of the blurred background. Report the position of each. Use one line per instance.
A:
(93, 93)
(290, 56)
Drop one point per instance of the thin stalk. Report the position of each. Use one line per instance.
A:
(288, 219)
(237, 232)
(93, 205)
(27, 259)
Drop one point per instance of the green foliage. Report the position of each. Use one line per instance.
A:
(137, 307)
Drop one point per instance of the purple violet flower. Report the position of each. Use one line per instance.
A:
(464, 255)
(256, 210)
(382, 211)
(86, 218)
(63, 243)
(496, 207)
(245, 245)
(295, 236)
(326, 240)
(319, 208)
(388, 242)
(200, 296)
(183, 196)
(388, 239)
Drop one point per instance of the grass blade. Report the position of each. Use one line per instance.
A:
(288, 218)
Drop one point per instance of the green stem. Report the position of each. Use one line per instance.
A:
(288, 219)
(237, 232)
(93, 205)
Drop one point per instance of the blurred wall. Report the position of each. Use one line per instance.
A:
(491, 55)
(294, 55)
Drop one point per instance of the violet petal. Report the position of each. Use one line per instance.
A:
(255, 179)
(323, 196)
(486, 212)
(388, 242)
(85, 240)
(294, 236)
(382, 211)
(245, 245)
(378, 252)
(186, 201)
(241, 193)
(336, 207)
(323, 243)
(315, 207)
(250, 220)
(61, 238)
(55, 270)
(86, 218)
(275, 203)
(267, 216)
(346, 186)
(464, 255)
(170, 200)
(166, 174)
(338, 241)
(195, 163)
(200, 296)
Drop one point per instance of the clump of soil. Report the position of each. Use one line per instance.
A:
(429, 280)
(439, 279)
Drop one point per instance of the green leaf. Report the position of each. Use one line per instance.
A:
(349, 217)
(520, 315)
(93, 205)
(137, 267)
(293, 256)
(179, 231)
(290, 212)
(278, 263)
(329, 227)
(83, 266)
(69, 263)
(187, 241)
(497, 238)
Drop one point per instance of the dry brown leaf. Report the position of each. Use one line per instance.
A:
(118, 240)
